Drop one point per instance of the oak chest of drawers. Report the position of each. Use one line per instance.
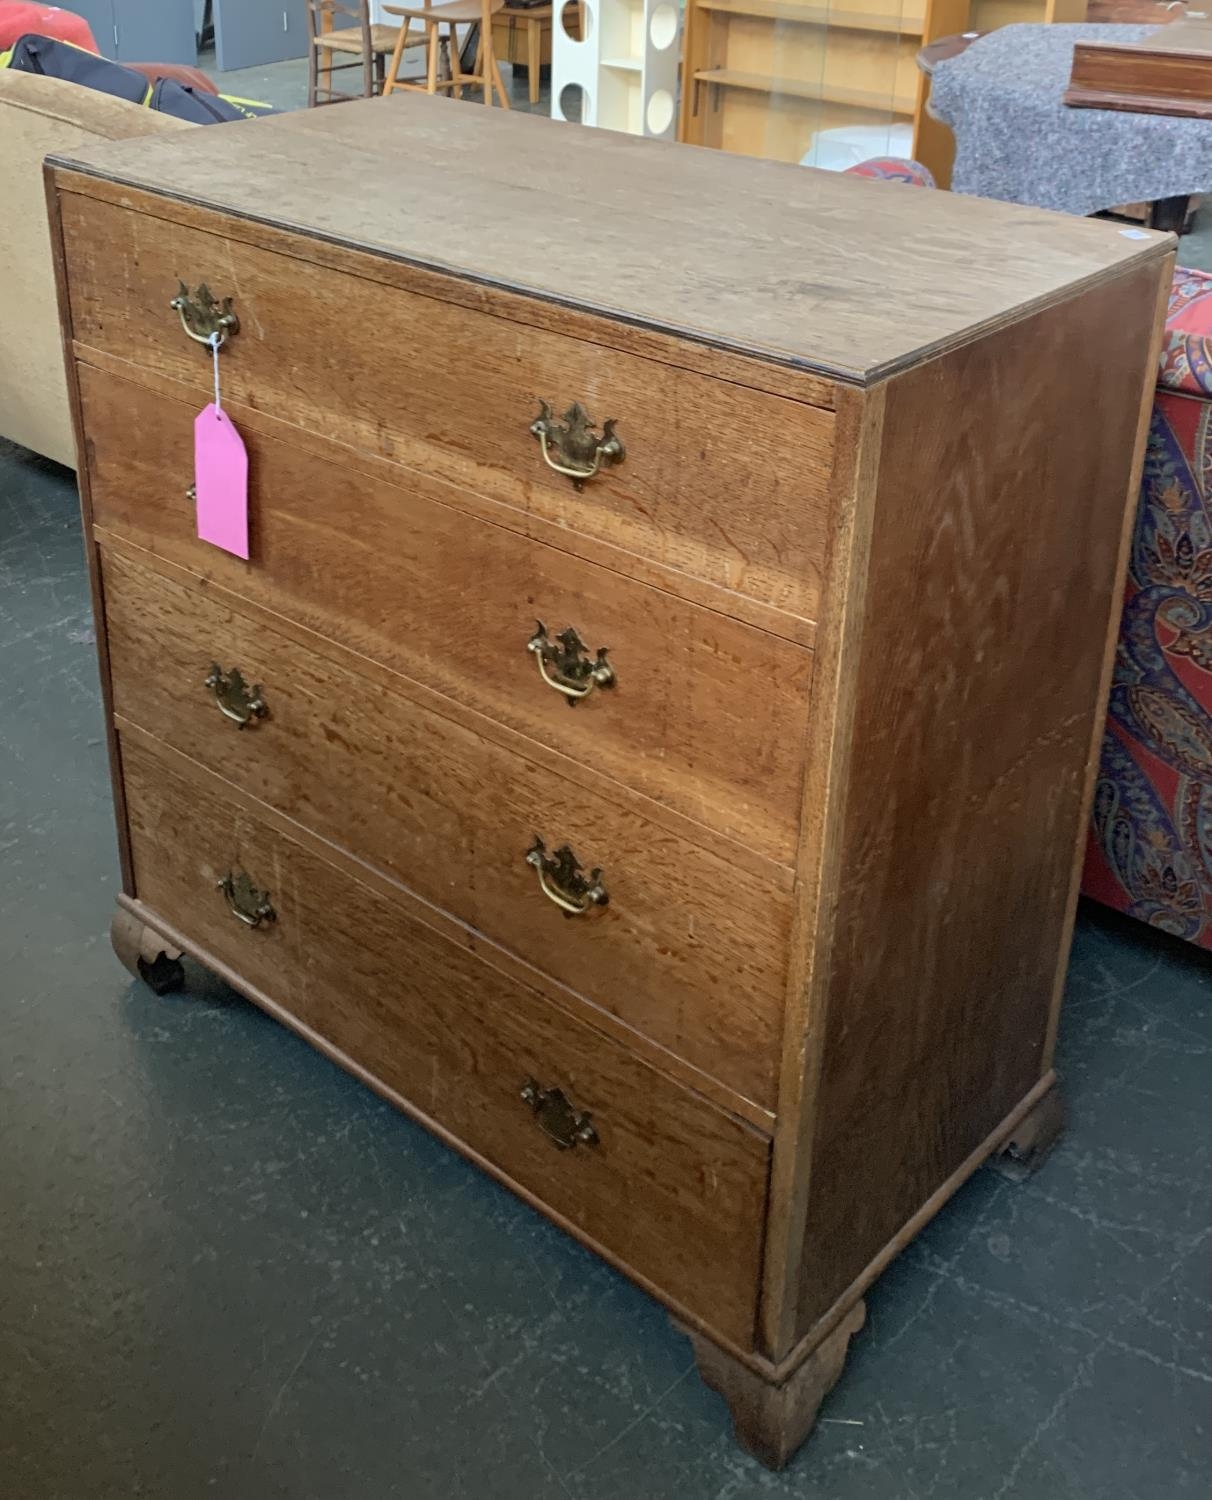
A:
(651, 737)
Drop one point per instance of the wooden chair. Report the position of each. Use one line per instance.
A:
(486, 71)
(367, 45)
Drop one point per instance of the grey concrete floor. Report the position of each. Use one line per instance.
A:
(227, 1269)
(284, 84)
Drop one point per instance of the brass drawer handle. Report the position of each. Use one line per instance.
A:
(235, 699)
(202, 316)
(567, 1127)
(562, 880)
(248, 903)
(579, 452)
(566, 666)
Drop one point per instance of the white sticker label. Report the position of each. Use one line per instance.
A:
(1134, 234)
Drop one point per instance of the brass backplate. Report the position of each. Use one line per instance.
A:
(247, 901)
(566, 1126)
(566, 664)
(564, 880)
(237, 701)
(203, 314)
(570, 445)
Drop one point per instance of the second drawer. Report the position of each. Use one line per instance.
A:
(704, 714)
(688, 950)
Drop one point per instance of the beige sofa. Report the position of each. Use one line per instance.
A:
(39, 116)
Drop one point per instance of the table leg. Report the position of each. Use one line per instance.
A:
(534, 36)
(1169, 213)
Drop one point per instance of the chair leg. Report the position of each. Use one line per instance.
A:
(397, 57)
(313, 77)
(477, 68)
(380, 71)
(325, 86)
(456, 71)
(433, 43)
(497, 79)
(534, 64)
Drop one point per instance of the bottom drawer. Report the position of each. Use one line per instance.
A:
(671, 1187)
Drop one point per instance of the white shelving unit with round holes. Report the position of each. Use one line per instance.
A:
(619, 68)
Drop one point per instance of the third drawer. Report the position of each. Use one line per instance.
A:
(689, 948)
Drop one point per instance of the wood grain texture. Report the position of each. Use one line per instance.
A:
(689, 951)
(1127, 13)
(970, 757)
(802, 274)
(502, 959)
(680, 725)
(720, 481)
(358, 461)
(675, 1187)
(1166, 73)
(377, 677)
(617, 331)
(1172, 90)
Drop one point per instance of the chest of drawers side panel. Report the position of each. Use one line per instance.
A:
(1003, 496)
(96, 586)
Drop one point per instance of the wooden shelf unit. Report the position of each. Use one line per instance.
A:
(821, 15)
(766, 77)
(798, 88)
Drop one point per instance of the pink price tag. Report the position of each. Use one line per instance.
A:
(221, 481)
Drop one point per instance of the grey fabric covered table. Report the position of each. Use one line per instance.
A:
(1017, 141)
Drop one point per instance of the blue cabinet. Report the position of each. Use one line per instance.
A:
(100, 16)
(250, 33)
(142, 30)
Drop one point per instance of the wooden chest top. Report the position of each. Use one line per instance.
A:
(839, 276)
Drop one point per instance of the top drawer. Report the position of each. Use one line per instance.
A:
(722, 482)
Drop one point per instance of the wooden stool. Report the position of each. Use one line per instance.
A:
(486, 72)
(535, 22)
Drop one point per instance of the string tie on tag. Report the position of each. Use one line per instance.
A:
(214, 342)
